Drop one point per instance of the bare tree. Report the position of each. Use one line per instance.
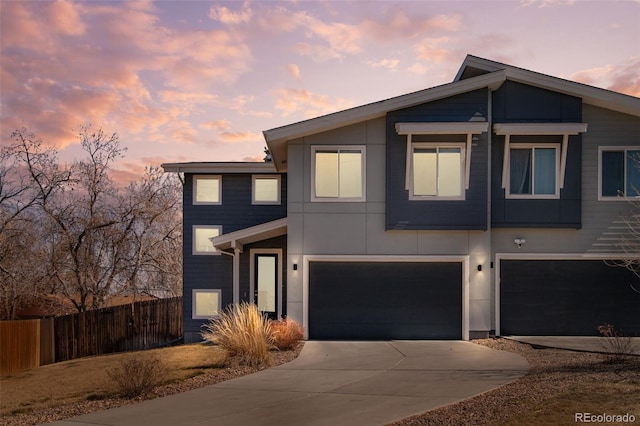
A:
(29, 175)
(75, 233)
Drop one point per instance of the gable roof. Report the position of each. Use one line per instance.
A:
(475, 73)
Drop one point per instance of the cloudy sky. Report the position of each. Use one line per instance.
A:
(200, 80)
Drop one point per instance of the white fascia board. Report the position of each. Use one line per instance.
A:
(539, 128)
(212, 167)
(250, 235)
(442, 128)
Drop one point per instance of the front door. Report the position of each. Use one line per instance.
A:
(265, 294)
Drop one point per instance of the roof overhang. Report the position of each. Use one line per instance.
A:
(277, 138)
(218, 167)
(591, 95)
(237, 239)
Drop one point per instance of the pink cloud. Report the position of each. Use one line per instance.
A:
(391, 64)
(226, 16)
(293, 70)
(238, 137)
(311, 104)
(623, 78)
(216, 125)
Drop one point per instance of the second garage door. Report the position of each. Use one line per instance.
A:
(385, 300)
(566, 297)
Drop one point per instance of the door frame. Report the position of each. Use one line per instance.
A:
(463, 259)
(252, 275)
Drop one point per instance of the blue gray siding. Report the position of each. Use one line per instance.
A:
(518, 103)
(236, 212)
(467, 214)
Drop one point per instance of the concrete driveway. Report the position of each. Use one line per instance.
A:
(334, 383)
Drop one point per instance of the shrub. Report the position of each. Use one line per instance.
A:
(616, 346)
(243, 331)
(286, 334)
(136, 375)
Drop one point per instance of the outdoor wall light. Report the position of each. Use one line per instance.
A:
(479, 268)
(295, 266)
(519, 242)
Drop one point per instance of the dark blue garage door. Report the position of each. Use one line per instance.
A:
(566, 297)
(385, 300)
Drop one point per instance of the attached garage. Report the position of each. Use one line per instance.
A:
(385, 300)
(566, 297)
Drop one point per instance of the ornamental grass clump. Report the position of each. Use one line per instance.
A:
(616, 346)
(286, 334)
(243, 331)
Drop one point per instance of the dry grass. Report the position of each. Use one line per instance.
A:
(243, 331)
(87, 379)
(286, 334)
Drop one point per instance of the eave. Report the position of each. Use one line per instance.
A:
(219, 167)
(242, 237)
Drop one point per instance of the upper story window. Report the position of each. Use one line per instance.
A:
(437, 171)
(207, 189)
(265, 189)
(201, 236)
(535, 157)
(533, 171)
(338, 173)
(619, 173)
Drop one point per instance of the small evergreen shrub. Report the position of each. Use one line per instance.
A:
(286, 334)
(244, 332)
(136, 375)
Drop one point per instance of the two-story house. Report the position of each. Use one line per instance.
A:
(490, 204)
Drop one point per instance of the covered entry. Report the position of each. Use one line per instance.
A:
(384, 300)
(566, 297)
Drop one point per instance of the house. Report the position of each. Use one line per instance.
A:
(491, 204)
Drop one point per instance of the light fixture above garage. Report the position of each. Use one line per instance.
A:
(519, 242)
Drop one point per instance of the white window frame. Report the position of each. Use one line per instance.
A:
(196, 178)
(339, 148)
(194, 250)
(253, 190)
(602, 149)
(437, 146)
(194, 293)
(533, 146)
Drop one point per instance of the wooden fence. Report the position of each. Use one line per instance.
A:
(141, 325)
(28, 344)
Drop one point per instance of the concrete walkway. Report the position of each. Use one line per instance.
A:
(333, 383)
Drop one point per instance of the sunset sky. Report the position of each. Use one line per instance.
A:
(201, 80)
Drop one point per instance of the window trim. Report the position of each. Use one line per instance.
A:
(253, 190)
(437, 146)
(363, 172)
(195, 190)
(193, 302)
(534, 146)
(601, 149)
(194, 250)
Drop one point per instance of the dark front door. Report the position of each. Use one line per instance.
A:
(265, 294)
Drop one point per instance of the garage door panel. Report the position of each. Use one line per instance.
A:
(385, 300)
(563, 297)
